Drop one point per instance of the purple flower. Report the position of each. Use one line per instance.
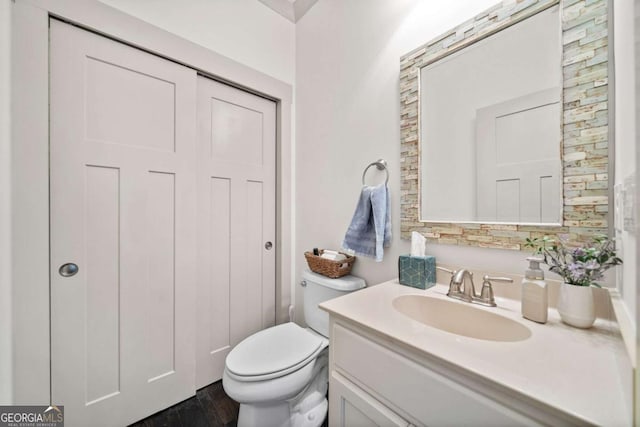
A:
(577, 271)
(574, 266)
(582, 266)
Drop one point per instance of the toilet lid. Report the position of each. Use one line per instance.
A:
(273, 350)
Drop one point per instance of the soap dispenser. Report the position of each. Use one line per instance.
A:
(534, 292)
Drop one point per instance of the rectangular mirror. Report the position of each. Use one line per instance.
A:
(504, 126)
(494, 107)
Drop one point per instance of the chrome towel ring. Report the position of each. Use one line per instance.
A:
(380, 164)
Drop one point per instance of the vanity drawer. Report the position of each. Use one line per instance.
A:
(423, 394)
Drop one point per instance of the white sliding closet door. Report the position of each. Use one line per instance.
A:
(236, 220)
(123, 209)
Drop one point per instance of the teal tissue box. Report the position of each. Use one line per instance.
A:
(417, 271)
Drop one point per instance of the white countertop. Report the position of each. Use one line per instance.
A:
(573, 370)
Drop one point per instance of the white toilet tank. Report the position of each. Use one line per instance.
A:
(319, 289)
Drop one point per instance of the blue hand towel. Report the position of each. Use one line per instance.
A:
(370, 229)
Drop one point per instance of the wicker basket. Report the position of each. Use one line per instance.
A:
(329, 268)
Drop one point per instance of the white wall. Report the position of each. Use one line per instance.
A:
(5, 198)
(246, 31)
(636, 402)
(626, 154)
(625, 136)
(347, 97)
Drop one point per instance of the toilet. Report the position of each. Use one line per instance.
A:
(279, 375)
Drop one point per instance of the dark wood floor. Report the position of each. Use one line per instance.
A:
(210, 407)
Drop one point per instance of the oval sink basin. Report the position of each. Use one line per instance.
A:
(460, 318)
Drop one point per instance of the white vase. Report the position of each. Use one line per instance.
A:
(575, 305)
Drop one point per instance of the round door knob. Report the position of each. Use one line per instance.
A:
(268, 246)
(67, 270)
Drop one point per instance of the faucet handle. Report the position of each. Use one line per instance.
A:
(453, 287)
(486, 294)
(497, 279)
(446, 270)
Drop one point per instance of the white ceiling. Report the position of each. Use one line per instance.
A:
(293, 10)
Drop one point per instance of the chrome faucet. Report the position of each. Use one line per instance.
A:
(465, 290)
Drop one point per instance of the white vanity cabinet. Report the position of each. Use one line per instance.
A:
(375, 382)
(390, 369)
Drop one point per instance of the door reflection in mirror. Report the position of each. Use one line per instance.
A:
(490, 126)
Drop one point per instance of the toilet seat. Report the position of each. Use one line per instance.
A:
(276, 389)
(273, 353)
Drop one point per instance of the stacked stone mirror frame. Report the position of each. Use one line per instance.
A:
(585, 142)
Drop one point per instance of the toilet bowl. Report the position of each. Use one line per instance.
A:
(279, 375)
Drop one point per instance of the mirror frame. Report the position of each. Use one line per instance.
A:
(586, 155)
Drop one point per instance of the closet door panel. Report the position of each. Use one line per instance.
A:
(123, 201)
(102, 293)
(236, 279)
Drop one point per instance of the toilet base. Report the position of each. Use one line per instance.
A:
(283, 415)
(272, 415)
(307, 409)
